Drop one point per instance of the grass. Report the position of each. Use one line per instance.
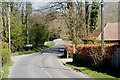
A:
(94, 72)
(49, 45)
(5, 69)
(35, 49)
(64, 58)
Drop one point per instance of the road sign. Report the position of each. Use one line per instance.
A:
(29, 45)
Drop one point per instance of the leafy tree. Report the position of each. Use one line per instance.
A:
(17, 33)
(17, 27)
(87, 16)
(37, 34)
(94, 16)
(4, 21)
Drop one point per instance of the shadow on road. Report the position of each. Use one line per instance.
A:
(56, 49)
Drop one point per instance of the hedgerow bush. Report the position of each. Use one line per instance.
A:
(95, 52)
(5, 53)
(92, 50)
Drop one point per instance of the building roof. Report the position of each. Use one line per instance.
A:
(111, 33)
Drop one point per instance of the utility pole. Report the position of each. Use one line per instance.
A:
(26, 20)
(26, 30)
(9, 44)
(102, 28)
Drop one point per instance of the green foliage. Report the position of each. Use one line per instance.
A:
(49, 45)
(38, 25)
(52, 34)
(17, 28)
(43, 47)
(6, 60)
(94, 40)
(17, 33)
(94, 16)
(20, 22)
(37, 49)
(5, 54)
(5, 69)
(66, 37)
(37, 34)
(77, 41)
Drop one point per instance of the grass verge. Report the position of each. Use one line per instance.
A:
(93, 73)
(5, 69)
(49, 45)
(34, 50)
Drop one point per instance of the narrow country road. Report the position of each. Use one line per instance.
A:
(44, 64)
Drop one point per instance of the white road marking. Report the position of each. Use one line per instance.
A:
(48, 74)
(45, 70)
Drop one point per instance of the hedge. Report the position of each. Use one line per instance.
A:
(70, 49)
(93, 50)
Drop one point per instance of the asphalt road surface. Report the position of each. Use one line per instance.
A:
(44, 64)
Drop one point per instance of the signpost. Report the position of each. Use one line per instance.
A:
(29, 45)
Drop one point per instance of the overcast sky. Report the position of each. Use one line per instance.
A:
(67, 0)
(52, 0)
(37, 5)
(41, 3)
